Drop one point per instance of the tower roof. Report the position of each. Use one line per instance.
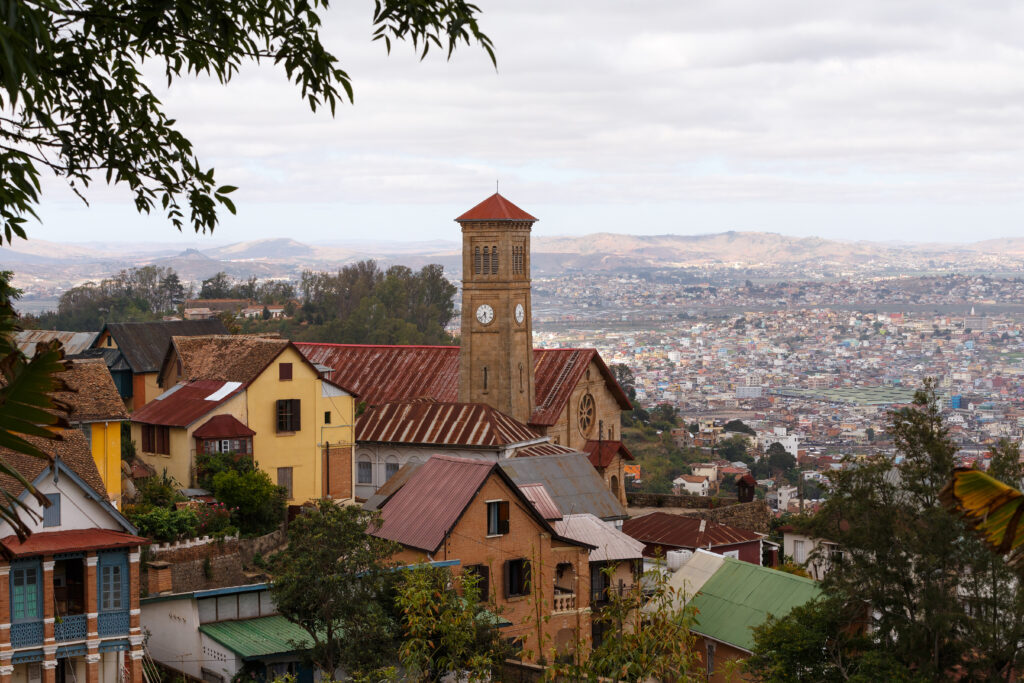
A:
(495, 208)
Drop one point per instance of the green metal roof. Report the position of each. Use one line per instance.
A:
(259, 637)
(740, 596)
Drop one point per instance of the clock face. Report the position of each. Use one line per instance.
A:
(520, 314)
(484, 314)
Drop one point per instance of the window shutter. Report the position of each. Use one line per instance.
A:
(296, 415)
(507, 575)
(51, 515)
(284, 371)
(485, 582)
(147, 439)
(503, 517)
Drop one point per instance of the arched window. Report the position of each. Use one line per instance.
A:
(520, 378)
(364, 471)
(390, 467)
(494, 260)
(476, 260)
(485, 378)
(613, 485)
(487, 260)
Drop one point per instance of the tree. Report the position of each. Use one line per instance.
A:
(937, 602)
(77, 105)
(870, 433)
(734, 449)
(739, 426)
(216, 287)
(779, 459)
(30, 416)
(257, 504)
(664, 415)
(332, 582)
(447, 628)
(624, 376)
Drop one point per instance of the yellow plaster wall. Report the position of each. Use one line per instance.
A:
(301, 450)
(106, 452)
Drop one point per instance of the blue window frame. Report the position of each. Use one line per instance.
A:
(112, 578)
(26, 591)
(51, 515)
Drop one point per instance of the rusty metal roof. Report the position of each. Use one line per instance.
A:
(543, 449)
(183, 404)
(661, 530)
(601, 453)
(496, 208)
(422, 512)
(222, 427)
(379, 374)
(73, 342)
(542, 501)
(451, 424)
(611, 543)
(572, 482)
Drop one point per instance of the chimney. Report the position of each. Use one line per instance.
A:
(159, 578)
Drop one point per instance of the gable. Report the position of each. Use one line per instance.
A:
(144, 344)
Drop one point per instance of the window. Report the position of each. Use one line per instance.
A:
(25, 593)
(494, 260)
(156, 439)
(284, 479)
(476, 260)
(87, 432)
(51, 515)
(485, 378)
(799, 553)
(517, 577)
(327, 417)
(390, 468)
(711, 659)
(734, 554)
(284, 371)
(484, 584)
(288, 415)
(364, 473)
(487, 260)
(112, 587)
(497, 518)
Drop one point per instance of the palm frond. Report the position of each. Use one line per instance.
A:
(992, 509)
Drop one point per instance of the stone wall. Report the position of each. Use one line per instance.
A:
(667, 500)
(197, 564)
(753, 516)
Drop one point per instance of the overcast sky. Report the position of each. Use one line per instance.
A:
(874, 119)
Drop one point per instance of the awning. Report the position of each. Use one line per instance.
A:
(259, 637)
(73, 540)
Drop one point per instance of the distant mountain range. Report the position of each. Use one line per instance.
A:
(46, 268)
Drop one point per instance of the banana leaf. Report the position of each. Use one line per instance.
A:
(993, 509)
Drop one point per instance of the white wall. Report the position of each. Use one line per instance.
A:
(76, 511)
(379, 455)
(173, 629)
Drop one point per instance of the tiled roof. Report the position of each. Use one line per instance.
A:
(73, 342)
(542, 501)
(227, 358)
(144, 344)
(450, 424)
(380, 374)
(258, 637)
(94, 397)
(667, 531)
(183, 404)
(72, 449)
(422, 513)
(611, 543)
(572, 481)
(741, 595)
(49, 542)
(601, 453)
(496, 208)
(222, 427)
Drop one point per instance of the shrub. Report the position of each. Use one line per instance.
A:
(214, 519)
(257, 504)
(164, 524)
(160, 491)
(209, 465)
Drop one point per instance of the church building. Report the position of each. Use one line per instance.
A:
(525, 401)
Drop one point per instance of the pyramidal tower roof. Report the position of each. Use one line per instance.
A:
(495, 208)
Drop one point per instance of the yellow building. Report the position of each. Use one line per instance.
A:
(97, 410)
(252, 396)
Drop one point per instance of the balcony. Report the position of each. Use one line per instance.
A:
(114, 623)
(27, 634)
(564, 601)
(71, 627)
(599, 597)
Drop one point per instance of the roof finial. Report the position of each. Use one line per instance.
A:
(497, 189)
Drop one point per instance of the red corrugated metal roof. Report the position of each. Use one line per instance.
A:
(450, 424)
(222, 427)
(538, 495)
(422, 513)
(73, 540)
(381, 374)
(601, 453)
(496, 208)
(668, 531)
(183, 404)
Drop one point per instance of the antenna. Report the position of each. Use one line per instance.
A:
(496, 186)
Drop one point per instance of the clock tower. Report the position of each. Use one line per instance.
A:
(496, 356)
